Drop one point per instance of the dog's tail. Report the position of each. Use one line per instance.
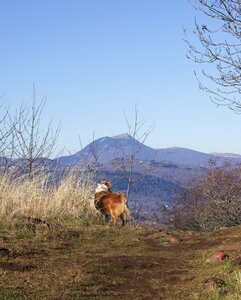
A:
(126, 208)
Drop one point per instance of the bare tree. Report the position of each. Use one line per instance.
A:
(6, 130)
(6, 137)
(90, 160)
(32, 144)
(126, 161)
(219, 44)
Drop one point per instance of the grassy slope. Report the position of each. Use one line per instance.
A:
(101, 262)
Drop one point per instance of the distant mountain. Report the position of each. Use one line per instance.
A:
(227, 155)
(107, 149)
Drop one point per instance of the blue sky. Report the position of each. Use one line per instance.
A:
(94, 59)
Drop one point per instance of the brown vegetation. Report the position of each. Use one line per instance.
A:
(72, 198)
(212, 202)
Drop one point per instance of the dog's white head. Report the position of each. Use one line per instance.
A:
(101, 187)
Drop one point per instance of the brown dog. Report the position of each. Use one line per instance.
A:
(110, 203)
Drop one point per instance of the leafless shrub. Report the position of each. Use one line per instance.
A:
(212, 202)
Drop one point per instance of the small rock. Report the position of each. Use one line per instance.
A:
(186, 278)
(173, 240)
(135, 240)
(214, 282)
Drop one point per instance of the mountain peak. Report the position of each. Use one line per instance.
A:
(123, 136)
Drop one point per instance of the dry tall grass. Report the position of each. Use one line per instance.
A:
(25, 197)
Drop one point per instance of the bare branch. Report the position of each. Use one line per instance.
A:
(220, 46)
(31, 143)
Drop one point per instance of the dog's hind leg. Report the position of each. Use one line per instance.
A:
(115, 217)
(123, 219)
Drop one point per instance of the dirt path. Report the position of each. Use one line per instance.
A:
(107, 263)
